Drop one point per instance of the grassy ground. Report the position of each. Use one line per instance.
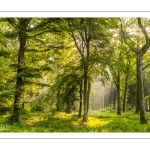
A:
(62, 122)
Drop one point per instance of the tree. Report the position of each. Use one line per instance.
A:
(115, 69)
(21, 27)
(122, 68)
(82, 41)
(27, 33)
(139, 51)
(89, 35)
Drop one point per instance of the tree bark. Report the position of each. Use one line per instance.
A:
(86, 67)
(80, 104)
(137, 100)
(85, 116)
(83, 35)
(114, 100)
(143, 118)
(125, 93)
(19, 81)
(88, 96)
(118, 96)
(58, 100)
(58, 95)
(140, 104)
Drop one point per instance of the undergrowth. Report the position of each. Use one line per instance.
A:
(61, 122)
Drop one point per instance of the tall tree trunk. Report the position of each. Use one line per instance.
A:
(114, 99)
(86, 67)
(58, 100)
(137, 100)
(118, 96)
(85, 116)
(125, 93)
(58, 91)
(111, 95)
(139, 53)
(110, 99)
(88, 96)
(140, 87)
(80, 104)
(83, 48)
(19, 82)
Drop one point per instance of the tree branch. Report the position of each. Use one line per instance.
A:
(73, 36)
(45, 50)
(124, 38)
(12, 22)
(145, 48)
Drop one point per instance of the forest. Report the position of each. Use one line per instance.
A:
(74, 74)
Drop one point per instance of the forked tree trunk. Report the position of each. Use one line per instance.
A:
(143, 118)
(83, 48)
(140, 104)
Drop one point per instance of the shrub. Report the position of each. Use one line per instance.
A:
(39, 106)
(5, 110)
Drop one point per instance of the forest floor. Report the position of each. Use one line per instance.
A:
(62, 122)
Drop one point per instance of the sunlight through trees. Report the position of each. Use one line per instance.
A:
(74, 66)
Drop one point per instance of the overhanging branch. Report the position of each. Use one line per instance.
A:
(124, 38)
(147, 45)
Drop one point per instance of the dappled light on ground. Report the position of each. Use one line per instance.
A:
(94, 122)
(63, 122)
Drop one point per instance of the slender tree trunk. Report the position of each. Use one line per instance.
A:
(118, 96)
(125, 93)
(58, 100)
(86, 67)
(58, 91)
(88, 96)
(85, 116)
(80, 104)
(19, 81)
(143, 118)
(83, 48)
(111, 95)
(110, 99)
(114, 100)
(140, 104)
(137, 100)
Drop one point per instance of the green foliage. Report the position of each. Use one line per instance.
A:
(147, 98)
(54, 61)
(40, 104)
(7, 93)
(38, 107)
(5, 110)
(99, 122)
